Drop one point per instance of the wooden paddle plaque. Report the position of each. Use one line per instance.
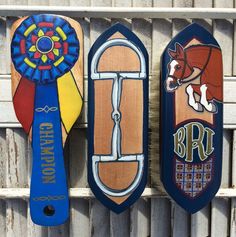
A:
(47, 88)
(192, 118)
(118, 118)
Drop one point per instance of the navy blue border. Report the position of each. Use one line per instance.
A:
(167, 129)
(138, 191)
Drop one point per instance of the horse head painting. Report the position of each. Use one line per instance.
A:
(193, 62)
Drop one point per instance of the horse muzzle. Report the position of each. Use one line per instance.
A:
(171, 84)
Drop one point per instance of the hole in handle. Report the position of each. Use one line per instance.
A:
(49, 210)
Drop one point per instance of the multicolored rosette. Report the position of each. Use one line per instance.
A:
(44, 47)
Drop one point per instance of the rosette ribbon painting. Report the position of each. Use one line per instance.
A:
(118, 118)
(192, 117)
(47, 88)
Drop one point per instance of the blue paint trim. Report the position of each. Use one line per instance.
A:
(47, 95)
(98, 193)
(167, 130)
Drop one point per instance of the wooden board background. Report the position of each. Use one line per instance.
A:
(148, 217)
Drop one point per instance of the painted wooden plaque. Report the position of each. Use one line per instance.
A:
(192, 117)
(118, 118)
(47, 88)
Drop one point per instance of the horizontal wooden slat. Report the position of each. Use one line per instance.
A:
(229, 102)
(8, 118)
(229, 90)
(5, 88)
(230, 115)
(121, 12)
(7, 113)
(23, 193)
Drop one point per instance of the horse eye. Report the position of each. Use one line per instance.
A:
(177, 67)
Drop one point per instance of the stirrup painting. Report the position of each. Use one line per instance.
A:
(47, 87)
(191, 115)
(118, 118)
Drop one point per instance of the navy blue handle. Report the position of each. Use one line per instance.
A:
(49, 194)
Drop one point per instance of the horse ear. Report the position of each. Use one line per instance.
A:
(172, 53)
(179, 50)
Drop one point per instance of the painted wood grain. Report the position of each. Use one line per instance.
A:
(3, 46)
(229, 91)
(3, 2)
(5, 90)
(59, 2)
(160, 217)
(142, 3)
(120, 224)
(39, 2)
(78, 158)
(143, 29)
(220, 207)
(180, 220)
(229, 117)
(162, 3)
(79, 218)
(206, 23)
(160, 208)
(7, 113)
(161, 35)
(203, 3)
(16, 176)
(99, 219)
(182, 3)
(140, 218)
(3, 157)
(232, 218)
(223, 32)
(101, 3)
(99, 215)
(234, 49)
(9, 23)
(233, 181)
(16, 167)
(17, 2)
(79, 2)
(79, 214)
(200, 223)
(122, 3)
(59, 231)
